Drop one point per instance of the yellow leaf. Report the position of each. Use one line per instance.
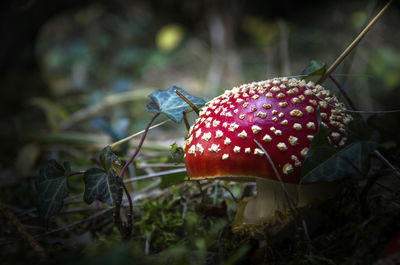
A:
(169, 37)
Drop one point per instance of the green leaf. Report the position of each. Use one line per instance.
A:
(177, 153)
(108, 159)
(52, 187)
(327, 163)
(173, 179)
(101, 185)
(170, 104)
(314, 68)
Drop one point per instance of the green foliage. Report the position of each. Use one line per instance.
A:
(102, 184)
(327, 163)
(315, 67)
(52, 187)
(170, 104)
(160, 222)
(177, 153)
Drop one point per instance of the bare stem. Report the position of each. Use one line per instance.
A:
(21, 229)
(130, 215)
(186, 121)
(136, 134)
(339, 86)
(126, 231)
(354, 43)
(188, 101)
(77, 173)
(146, 130)
(379, 154)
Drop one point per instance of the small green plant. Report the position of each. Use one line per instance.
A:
(105, 182)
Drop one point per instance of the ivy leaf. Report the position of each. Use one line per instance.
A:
(100, 185)
(108, 158)
(327, 163)
(103, 184)
(52, 187)
(170, 104)
(177, 154)
(314, 68)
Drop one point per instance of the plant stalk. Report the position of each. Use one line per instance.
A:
(354, 43)
(188, 102)
(126, 231)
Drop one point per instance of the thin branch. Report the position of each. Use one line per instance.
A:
(354, 43)
(113, 145)
(146, 130)
(185, 120)
(387, 162)
(157, 174)
(290, 202)
(130, 215)
(188, 102)
(339, 86)
(81, 172)
(230, 192)
(21, 229)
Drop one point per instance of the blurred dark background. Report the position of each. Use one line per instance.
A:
(75, 75)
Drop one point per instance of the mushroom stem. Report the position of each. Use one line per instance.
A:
(270, 198)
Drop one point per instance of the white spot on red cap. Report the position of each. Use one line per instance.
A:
(297, 162)
(297, 126)
(309, 109)
(191, 150)
(225, 156)
(267, 138)
(295, 100)
(236, 149)
(304, 151)
(284, 122)
(242, 134)
(280, 95)
(206, 136)
(233, 126)
(216, 123)
(311, 125)
(214, 148)
(278, 132)
(256, 129)
(267, 106)
(199, 148)
(258, 151)
(275, 89)
(241, 116)
(247, 150)
(281, 146)
(218, 134)
(296, 113)
(323, 104)
(293, 140)
(283, 104)
(227, 141)
(261, 114)
(287, 168)
(269, 95)
(198, 133)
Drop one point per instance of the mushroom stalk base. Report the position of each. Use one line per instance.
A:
(271, 198)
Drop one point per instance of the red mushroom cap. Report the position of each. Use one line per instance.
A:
(279, 113)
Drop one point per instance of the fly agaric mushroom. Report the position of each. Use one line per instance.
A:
(280, 114)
